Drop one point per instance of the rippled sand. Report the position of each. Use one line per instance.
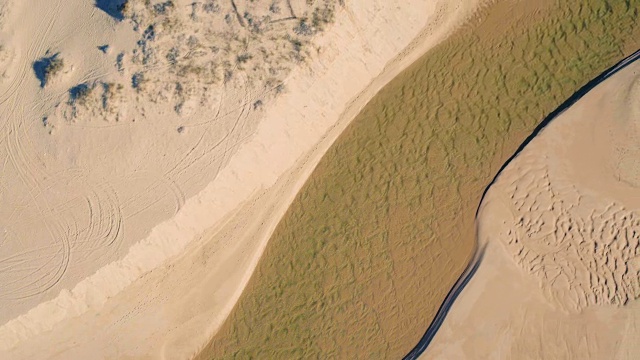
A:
(363, 258)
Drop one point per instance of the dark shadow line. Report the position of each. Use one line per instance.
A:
(453, 294)
(472, 267)
(564, 106)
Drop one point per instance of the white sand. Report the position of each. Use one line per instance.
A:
(129, 239)
(562, 225)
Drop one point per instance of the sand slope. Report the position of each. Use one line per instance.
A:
(562, 223)
(131, 234)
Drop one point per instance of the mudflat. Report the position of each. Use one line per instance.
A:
(360, 263)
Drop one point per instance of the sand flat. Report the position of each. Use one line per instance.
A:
(561, 276)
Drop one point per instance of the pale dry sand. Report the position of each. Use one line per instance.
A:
(561, 274)
(134, 217)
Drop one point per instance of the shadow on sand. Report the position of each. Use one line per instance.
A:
(113, 8)
(42, 66)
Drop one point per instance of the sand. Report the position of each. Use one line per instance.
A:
(368, 250)
(135, 208)
(561, 276)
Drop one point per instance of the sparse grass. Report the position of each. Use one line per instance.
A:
(303, 28)
(79, 94)
(274, 8)
(372, 243)
(97, 99)
(250, 44)
(190, 45)
(55, 66)
(322, 16)
(138, 81)
(47, 68)
(211, 6)
(297, 44)
(243, 58)
(111, 93)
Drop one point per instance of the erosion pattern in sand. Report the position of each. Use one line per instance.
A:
(362, 260)
(149, 151)
(563, 225)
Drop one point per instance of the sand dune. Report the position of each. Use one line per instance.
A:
(140, 182)
(562, 225)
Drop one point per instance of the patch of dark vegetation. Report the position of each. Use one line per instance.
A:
(323, 16)
(303, 28)
(297, 44)
(211, 6)
(149, 33)
(243, 58)
(137, 81)
(275, 8)
(113, 8)
(172, 56)
(47, 67)
(161, 8)
(120, 62)
(79, 94)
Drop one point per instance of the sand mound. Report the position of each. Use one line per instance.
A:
(187, 51)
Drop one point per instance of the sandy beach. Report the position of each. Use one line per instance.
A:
(136, 205)
(561, 275)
